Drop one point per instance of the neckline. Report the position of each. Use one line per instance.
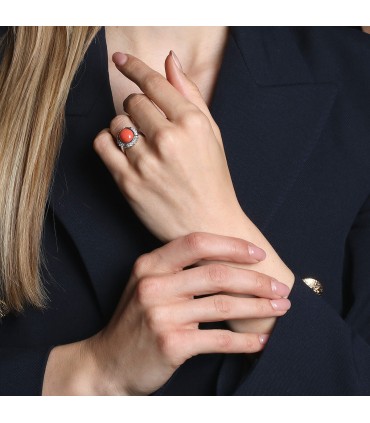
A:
(112, 109)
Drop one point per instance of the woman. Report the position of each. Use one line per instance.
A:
(279, 97)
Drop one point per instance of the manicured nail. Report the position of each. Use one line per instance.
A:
(280, 305)
(176, 60)
(119, 58)
(279, 288)
(256, 252)
(264, 339)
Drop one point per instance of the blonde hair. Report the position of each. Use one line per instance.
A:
(36, 71)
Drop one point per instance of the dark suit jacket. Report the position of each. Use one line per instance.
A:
(293, 106)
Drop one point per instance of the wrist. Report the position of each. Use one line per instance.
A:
(107, 376)
(239, 225)
(70, 371)
(73, 369)
(273, 265)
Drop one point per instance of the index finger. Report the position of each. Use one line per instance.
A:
(153, 85)
(192, 248)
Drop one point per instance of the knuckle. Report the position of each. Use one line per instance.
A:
(142, 265)
(196, 241)
(260, 281)
(218, 273)
(147, 289)
(132, 101)
(194, 119)
(235, 246)
(167, 344)
(101, 142)
(154, 318)
(163, 137)
(153, 82)
(224, 341)
(222, 304)
(262, 310)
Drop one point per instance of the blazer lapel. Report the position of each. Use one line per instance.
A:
(271, 114)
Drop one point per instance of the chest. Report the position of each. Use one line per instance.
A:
(121, 87)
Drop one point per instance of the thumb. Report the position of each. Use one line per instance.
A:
(176, 77)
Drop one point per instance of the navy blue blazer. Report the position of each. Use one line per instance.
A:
(293, 106)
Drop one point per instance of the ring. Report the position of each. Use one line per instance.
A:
(127, 137)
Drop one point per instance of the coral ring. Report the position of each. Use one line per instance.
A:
(127, 137)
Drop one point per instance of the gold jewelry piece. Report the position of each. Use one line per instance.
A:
(315, 285)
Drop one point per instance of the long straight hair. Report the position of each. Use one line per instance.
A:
(36, 71)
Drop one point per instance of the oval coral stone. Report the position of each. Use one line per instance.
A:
(126, 135)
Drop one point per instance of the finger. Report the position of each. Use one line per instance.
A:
(136, 151)
(177, 78)
(145, 114)
(190, 249)
(106, 148)
(194, 342)
(154, 85)
(264, 325)
(215, 278)
(218, 308)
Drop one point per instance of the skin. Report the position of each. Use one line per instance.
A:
(155, 327)
(163, 174)
(201, 57)
(201, 54)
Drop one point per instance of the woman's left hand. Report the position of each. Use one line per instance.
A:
(176, 177)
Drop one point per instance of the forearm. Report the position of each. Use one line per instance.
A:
(240, 226)
(273, 265)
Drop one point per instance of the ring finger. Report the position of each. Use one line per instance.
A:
(216, 278)
(145, 114)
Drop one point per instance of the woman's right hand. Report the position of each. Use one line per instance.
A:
(155, 327)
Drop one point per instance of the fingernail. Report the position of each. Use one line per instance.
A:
(119, 58)
(176, 60)
(256, 252)
(280, 305)
(279, 288)
(264, 339)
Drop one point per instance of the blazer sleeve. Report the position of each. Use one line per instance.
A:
(313, 350)
(22, 370)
